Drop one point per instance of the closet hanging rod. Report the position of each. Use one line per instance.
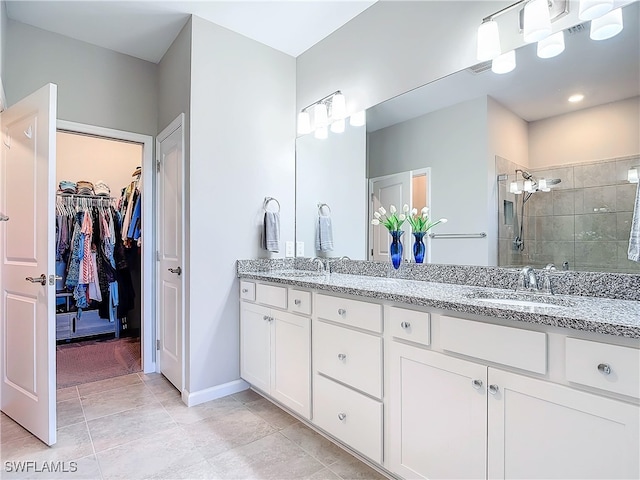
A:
(458, 235)
(78, 196)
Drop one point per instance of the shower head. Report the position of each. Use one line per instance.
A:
(526, 175)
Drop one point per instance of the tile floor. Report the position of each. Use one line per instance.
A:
(136, 426)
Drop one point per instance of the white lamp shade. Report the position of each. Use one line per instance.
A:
(607, 26)
(504, 63)
(537, 21)
(338, 126)
(358, 119)
(320, 117)
(488, 41)
(321, 133)
(542, 183)
(528, 186)
(551, 46)
(515, 187)
(338, 107)
(590, 9)
(632, 175)
(304, 123)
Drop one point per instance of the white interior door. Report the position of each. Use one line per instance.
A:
(28, 384)
(384, 191)
(170, 252)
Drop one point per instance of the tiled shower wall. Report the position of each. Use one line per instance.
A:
(585, 220)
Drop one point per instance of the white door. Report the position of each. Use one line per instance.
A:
(438, 415)
(384, 191)
(539, 429)
(255, 345)
(169, 148)
(28, 384)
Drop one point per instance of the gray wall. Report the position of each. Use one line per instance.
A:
(3, 35)
(242, 149)
(454, 143)
(96, 86)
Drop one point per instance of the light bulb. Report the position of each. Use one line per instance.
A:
(551, 46)
(575, 98)
(321, 133)
(504, 63)
(320, 117)
(304, 123)
(542, 183)
(488, 41)
(607, 26)
(528, 186)
(338, 107)
(515, 187)
(358, 119)
(338, 126)
(590, 9)
(537, 22)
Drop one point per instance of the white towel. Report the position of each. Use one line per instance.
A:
(271, 232)
(324, 234)
(634, 237)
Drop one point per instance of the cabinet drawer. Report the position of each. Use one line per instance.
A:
(509, 346)
(300, 301)
(354, 358)
(410, 325)
(349, 416)
(271, 295)
(247, 291)
(367, 316)
(588, 362)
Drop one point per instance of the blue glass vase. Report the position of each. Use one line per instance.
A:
(418, 247)
(395, 249)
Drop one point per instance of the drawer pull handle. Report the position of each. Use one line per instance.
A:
(342, 311)
(342, 416)
(604, 368)
(245, 290)
(405, 325)
(493, 389)
(342, 356)
(297, 301)
(477, 384)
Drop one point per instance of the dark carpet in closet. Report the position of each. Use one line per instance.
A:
(93, 360)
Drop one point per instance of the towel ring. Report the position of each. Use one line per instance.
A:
(320, 206)
(268, 200)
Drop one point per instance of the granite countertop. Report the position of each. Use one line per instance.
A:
(601, 315)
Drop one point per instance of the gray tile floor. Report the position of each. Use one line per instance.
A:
(136, 426)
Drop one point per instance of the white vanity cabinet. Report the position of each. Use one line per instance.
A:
(275, 349)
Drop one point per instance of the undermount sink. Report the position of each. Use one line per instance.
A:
(300, 273)
(522, 300)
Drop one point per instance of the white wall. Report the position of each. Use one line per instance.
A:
(3, 35)
(453, 142)
(96, 86)
(605, 131)
(81, 157)
(333, 171)
(242, 149)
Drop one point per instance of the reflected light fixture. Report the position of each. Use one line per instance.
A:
(504, 63)
(537, 22)
(632, 175)
(358, 119)
(607, 26)
(321, 133)
(516, 187)
(551, 46)
(318, 115)
(575, 98)
(338, 126)
(488, 41)
(590, 9)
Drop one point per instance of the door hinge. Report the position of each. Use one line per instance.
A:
(158, 166)
(158, 344)
(157, 255)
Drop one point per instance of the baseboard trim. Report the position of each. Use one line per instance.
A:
(191, 399)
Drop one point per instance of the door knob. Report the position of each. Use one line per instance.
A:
(177, 270)
(342, 416)
(342, 356)
(604, 368)
(42, 279)
(493, 389)
(405, 325)
(341, 311)
(477, 384)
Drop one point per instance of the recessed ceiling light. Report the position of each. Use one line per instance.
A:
(578, 97)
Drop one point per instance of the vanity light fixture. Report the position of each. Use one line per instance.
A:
(590, 9)
(607, 26)
(304, 123)
(488, 41)
(551, 46)
(537, 22)
(321, 133)
(504, 63)
(320, 114)
(516, 187)
(358, 119)
(632, 175)
(338, 126)
(575, 98)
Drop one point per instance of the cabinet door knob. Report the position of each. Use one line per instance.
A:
(342, 416)
(493, 389)
(604, 368)
(477, 384)
(245, 290)
(405, 325)
(342, 356)
(266, 317)
(341, 311)
(297, 301)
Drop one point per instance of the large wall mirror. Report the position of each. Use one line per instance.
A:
(471, 131)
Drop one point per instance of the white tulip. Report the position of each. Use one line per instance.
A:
(392, 208)
(382, 211)
(402, 217)
(375, 221)
(376, 214)
(425, 210)
(443, 220)
(414, 211)
(405, 208)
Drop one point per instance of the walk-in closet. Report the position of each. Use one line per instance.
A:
(98, 258)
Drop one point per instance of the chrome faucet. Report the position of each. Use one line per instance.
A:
(527, 279)
(320, 264)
